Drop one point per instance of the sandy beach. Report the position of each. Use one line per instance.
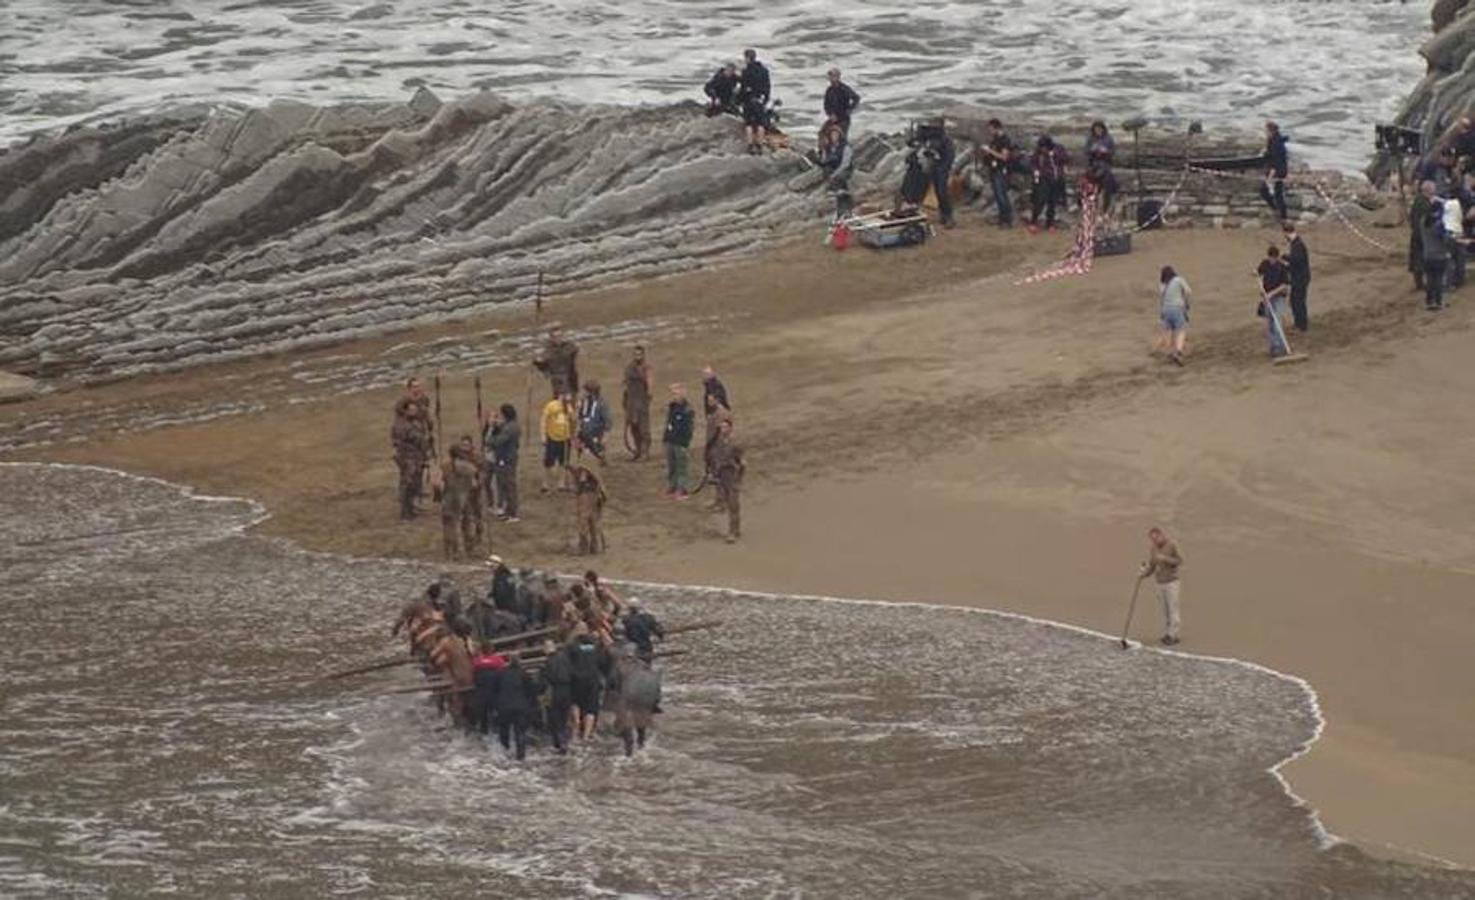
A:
(920, 428)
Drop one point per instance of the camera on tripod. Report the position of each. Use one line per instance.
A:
(1398, 140)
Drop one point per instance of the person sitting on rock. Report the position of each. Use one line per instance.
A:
(721, 90)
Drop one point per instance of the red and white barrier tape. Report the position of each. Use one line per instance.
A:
(1083, 250)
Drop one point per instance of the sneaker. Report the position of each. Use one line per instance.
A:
(683, 495)
(1169, 641)
(511, 519)
(1177, 358)
(731, 539)
(1052, 229)
(1032, 229)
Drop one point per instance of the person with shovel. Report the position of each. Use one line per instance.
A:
(1163, 563)
(1275, 287)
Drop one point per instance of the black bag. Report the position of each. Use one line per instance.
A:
(1260, 309)
(1150, 215)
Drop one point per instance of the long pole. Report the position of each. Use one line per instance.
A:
(440, 432)
(1131, 608)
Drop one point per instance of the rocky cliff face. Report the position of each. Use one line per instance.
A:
(211, 235)
(1447, 90)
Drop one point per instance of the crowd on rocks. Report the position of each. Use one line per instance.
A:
(476, 483)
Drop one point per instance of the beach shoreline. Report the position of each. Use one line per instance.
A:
(921, 428)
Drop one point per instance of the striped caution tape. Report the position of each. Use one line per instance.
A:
(1083, 250)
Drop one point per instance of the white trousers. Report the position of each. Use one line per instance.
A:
(1168, 593)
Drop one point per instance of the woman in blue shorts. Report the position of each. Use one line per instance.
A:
(1173, 301)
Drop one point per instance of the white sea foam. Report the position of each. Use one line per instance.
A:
(1327, 71)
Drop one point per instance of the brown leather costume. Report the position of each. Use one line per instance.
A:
(413, 447)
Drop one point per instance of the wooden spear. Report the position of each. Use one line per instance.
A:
(372, 667)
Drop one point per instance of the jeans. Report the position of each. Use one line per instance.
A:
(507, 489)
(1277, 201)
(1046, 194)
(1273, 312)
(676, 467)
(1456, 264)
(1434, 282)
(512, 732)
(1000, 180)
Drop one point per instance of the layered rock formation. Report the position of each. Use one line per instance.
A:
(212, 235)
(1447, 90)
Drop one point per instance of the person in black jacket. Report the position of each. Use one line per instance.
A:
(514, 703)
(840, 101)
(754, 89)
(1277, 166)
(680, 423)
(502, 441)
(1298, 261)
(642, 628)
(558, 681)
(721, 90)
(587, 666)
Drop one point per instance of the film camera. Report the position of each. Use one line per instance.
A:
(1398, 141)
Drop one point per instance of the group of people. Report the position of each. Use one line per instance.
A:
(1284, 279)
(472, 484)
(1442, 217)
(549, 658)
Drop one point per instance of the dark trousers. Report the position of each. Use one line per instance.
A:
(1000, 181)
(1277, 201)
(941, 171)
(507, 489)
(558, 725)
(1456, 264)
(512, 731)
(1298, 305)
(631, 736)
(1046, 194)
(1434, 282)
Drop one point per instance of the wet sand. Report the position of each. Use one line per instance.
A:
(921, 429)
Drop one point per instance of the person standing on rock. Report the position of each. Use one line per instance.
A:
(1277, 167)
(680, 422)
(412, 436)
(840, 102)
(754, 90)
(728, 469)
(1163, 563)
(502, 444)
(1298, 260)
(454, 489)
(559, 360)
(637, 404)
(558, 433)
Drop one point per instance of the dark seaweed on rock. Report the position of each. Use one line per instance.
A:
(208, 236)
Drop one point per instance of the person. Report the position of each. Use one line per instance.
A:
(412, 436)
(1434, 247)
(486, 666)
(1163, 563)
(1440, 168)
(837, 163)
(455, 489)
(721, 90)
(728, 468)
(473, 513)
(1462, 141)
(1277, 166)
(503, 588)
(1298, 261)
(557, 432)
(1174, 297)
(717, 414)
(941, 152)
(589, 501)
(513, 704)
(637, 404)
(586, 663)
(604, 594)
(559, 361)
(558, 682)
(712, 387)
(502, 443)
(641, 627)
(841, 101)
(754, 88)
(594, 419)
(1048, 190)
(1100, 159)
(1275, 285)
(998, 154)
(1417, 212)
(636, 684)
(680, 422)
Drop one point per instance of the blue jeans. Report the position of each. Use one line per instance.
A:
(1000, 179)
(1273, 312)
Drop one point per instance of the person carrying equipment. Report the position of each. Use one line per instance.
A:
(754, 90)
(721, 90)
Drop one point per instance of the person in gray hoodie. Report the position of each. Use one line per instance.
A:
(637, 687)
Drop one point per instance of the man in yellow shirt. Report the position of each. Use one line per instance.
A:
(558, 432)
